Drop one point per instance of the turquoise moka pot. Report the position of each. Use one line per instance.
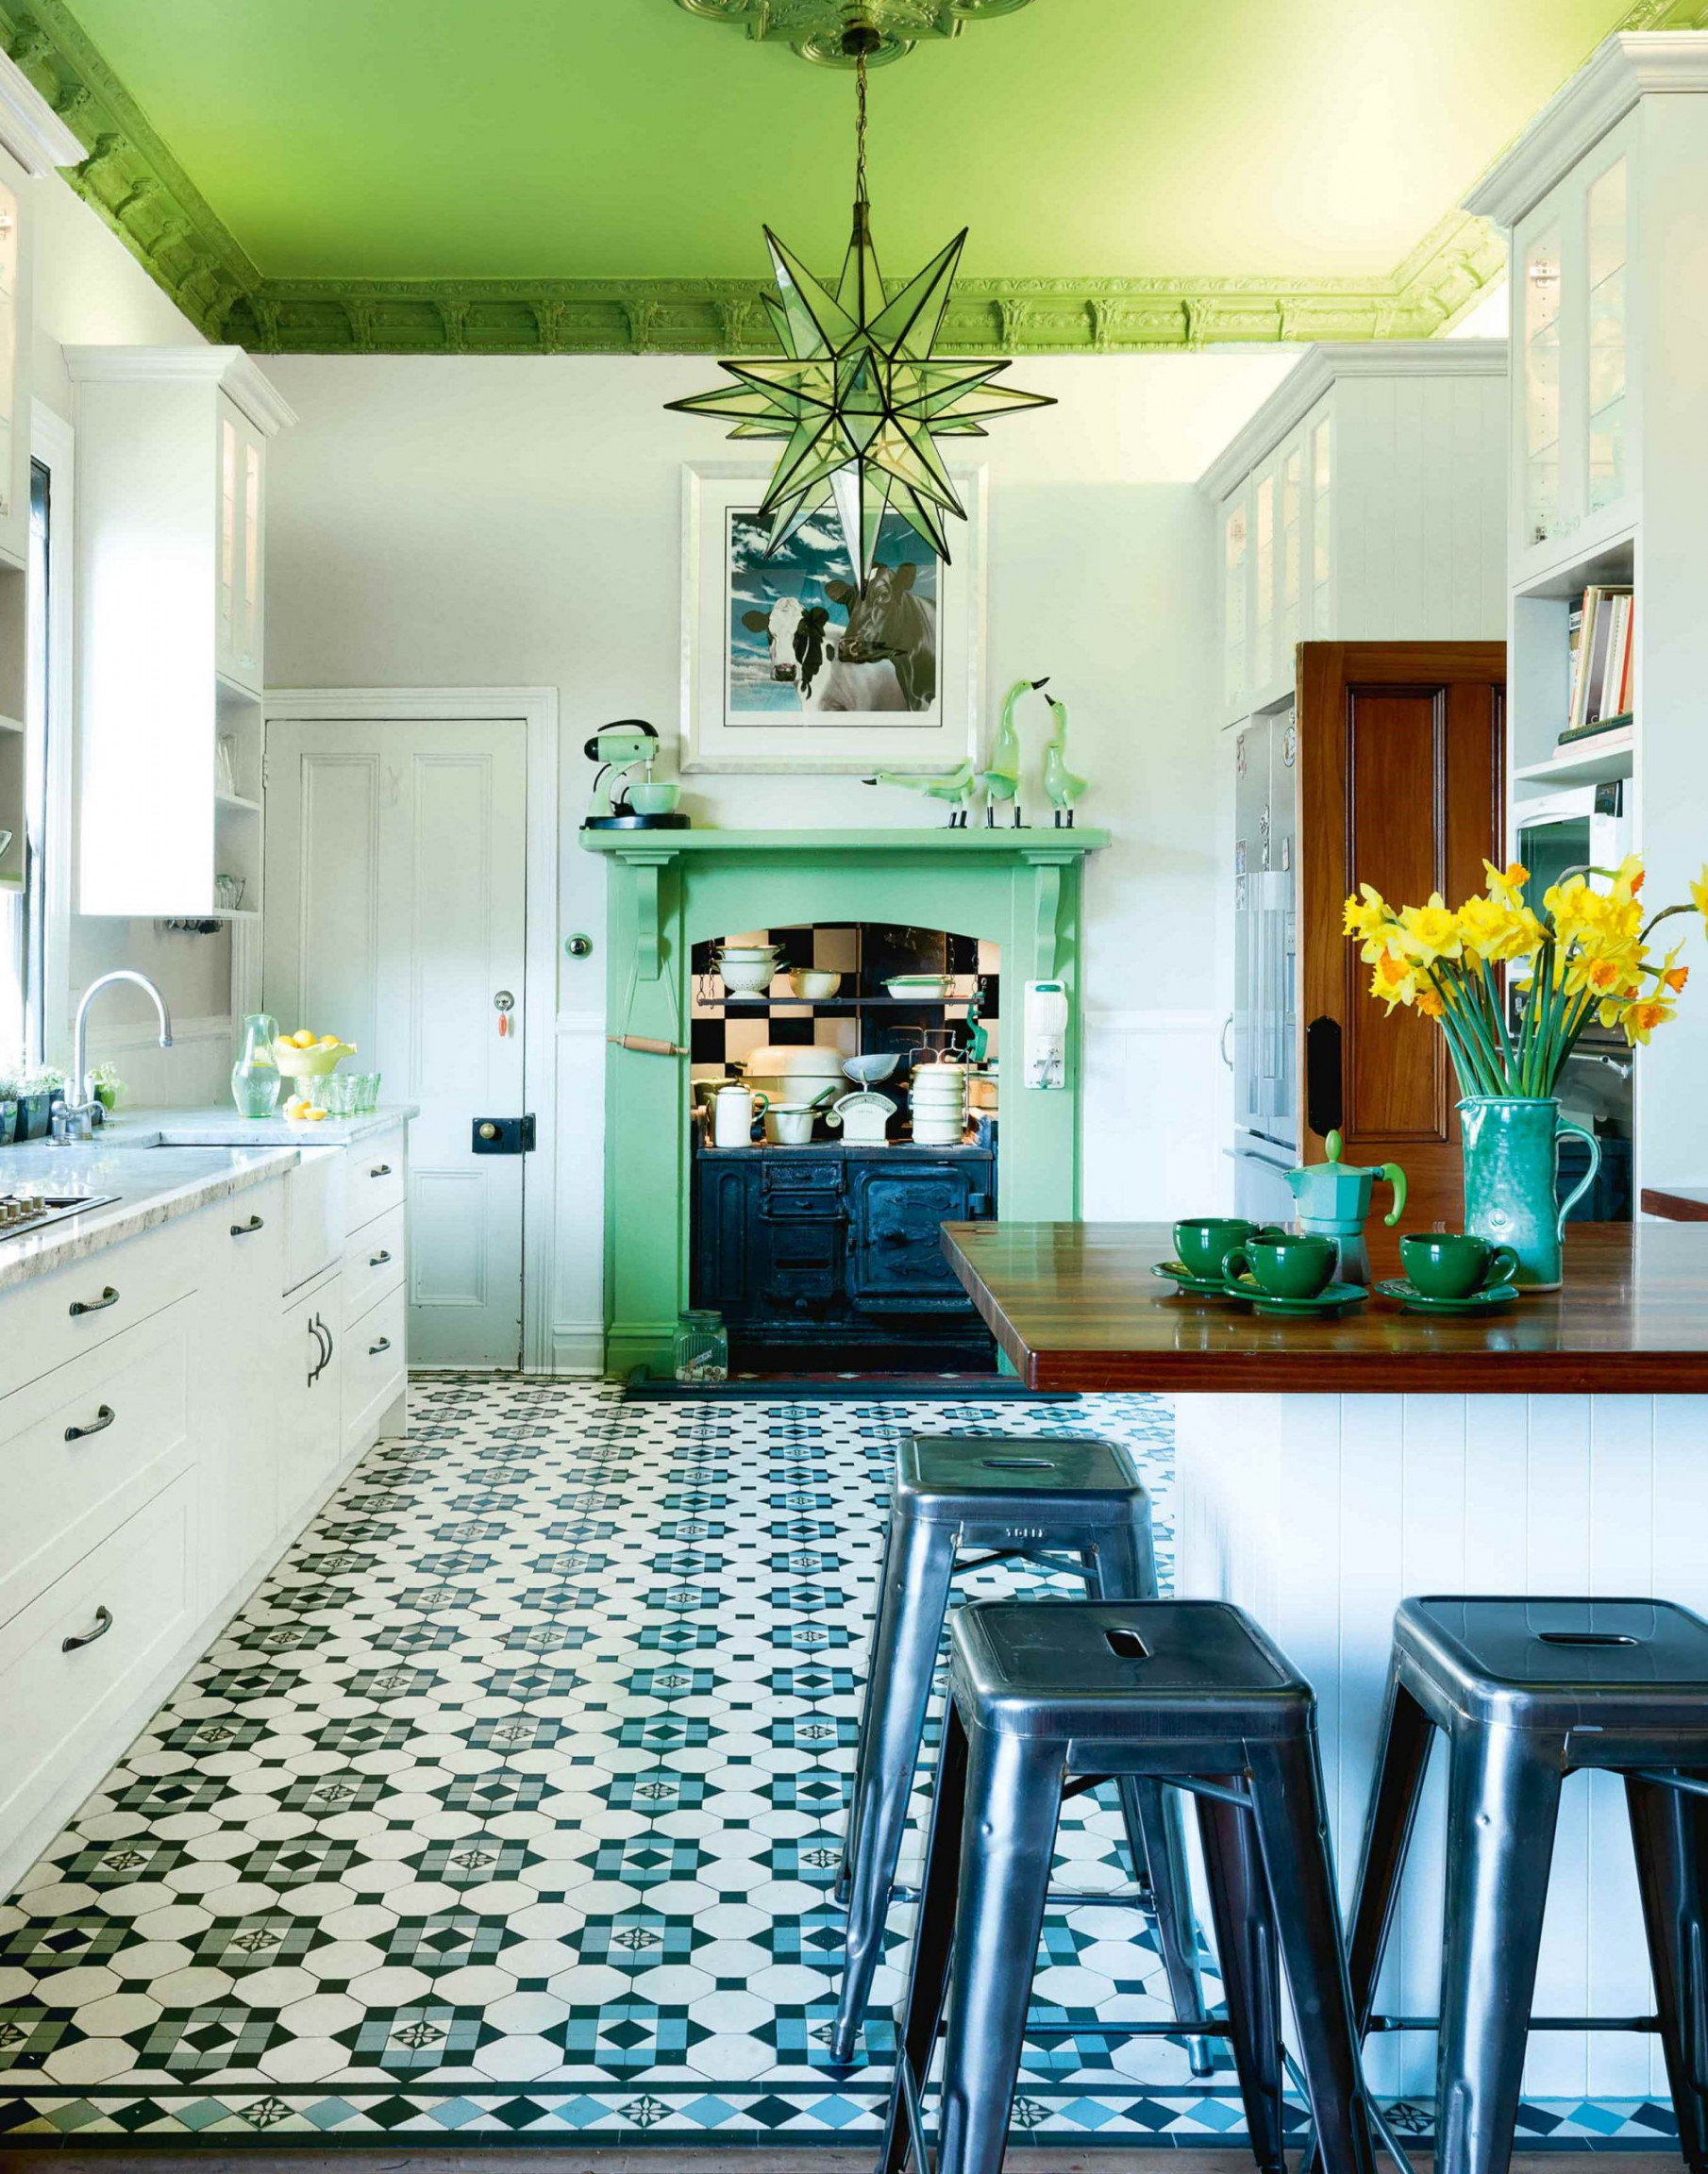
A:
(1333, 1201)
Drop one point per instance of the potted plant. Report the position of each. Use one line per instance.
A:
(9, 1106)
(36, 1091)
(1586, 957)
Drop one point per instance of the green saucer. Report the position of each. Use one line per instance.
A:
(1199, 1286)
(1331, 1299)
(1488, 1300)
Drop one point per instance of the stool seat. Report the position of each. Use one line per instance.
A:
(1041, 1498)
(972, 1481)
(1541, 1663)
(1045, 1696)
(1053, 1671)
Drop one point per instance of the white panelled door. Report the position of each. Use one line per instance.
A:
(397, 868)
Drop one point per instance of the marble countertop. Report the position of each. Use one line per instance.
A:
(152, 1185)
(219, 1126)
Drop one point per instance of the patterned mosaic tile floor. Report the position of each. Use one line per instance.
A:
(510, 1805)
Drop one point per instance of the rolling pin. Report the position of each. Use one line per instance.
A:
(647, 1044)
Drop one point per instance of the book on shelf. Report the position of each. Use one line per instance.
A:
(1574, 735)
(1599, 647)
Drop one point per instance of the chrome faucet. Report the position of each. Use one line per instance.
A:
(77, 1120)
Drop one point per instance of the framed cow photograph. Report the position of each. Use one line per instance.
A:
(787, 667)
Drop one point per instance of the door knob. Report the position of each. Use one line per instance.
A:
(488, 1130)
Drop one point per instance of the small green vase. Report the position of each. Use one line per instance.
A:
(1512, 1179)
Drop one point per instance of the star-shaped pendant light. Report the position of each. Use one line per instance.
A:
(858, 395)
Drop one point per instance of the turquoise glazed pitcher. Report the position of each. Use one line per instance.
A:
(1512, 1179)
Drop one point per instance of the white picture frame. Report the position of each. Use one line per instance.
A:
(721, 587)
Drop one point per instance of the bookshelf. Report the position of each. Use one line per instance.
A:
(1604, 200)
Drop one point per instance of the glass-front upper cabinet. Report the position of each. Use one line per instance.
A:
(1236, 548)
(1572, 326)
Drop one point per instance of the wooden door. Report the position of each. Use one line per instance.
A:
(1400, 784)
(396, 918)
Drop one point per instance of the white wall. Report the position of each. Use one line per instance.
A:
(513, 521)
(90, 290)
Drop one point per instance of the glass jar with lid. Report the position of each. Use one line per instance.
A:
(702, 1347)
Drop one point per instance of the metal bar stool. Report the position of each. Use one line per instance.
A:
(1183, 1692)
(1526, 1691)
(1034, 1499)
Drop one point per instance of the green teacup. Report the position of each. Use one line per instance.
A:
(1200, 1241)
(1287, 1266)
(1445, 1264)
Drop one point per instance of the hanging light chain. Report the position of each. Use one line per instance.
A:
(860, 128)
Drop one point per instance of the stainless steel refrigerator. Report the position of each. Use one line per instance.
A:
(1267, 1132)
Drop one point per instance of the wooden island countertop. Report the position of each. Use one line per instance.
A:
(1074, 1306)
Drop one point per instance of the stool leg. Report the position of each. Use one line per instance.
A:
(1293, 1832)
(1123, 1567)
(850, 1838)
(928, 1980)
(1014, 1794)
(1245, 1947)
(915, 1598)
(1670, 1832)
(1503, 1804)
(1402, 1753)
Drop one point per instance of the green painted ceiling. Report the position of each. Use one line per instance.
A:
(624, 139)
(590, 175)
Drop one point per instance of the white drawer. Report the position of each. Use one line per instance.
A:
(373, 1179)
(85, 1448)
(64, 1715)
(44, 1324)
(373, 1262)
(373, 1368)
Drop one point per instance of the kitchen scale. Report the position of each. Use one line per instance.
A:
(24, 1213)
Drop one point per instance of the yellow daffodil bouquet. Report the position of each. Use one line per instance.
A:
(1586, 957)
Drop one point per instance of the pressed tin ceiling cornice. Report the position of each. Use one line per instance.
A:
(815, 27)
(134, 182)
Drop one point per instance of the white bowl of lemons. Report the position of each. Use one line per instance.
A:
(305, 1057)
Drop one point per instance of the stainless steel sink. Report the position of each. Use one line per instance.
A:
(24, 1213)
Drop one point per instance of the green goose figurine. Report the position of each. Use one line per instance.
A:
(1060, 787)
(1001, 782)
(956, 789)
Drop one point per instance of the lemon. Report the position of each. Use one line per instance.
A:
(329, 1041)
(304, 1038)
(314, 1115)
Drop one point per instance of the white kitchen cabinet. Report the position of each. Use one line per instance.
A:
(1604, 199)
(315, 1196)
(171, 487)
(1365, 501)
(33, 142)
(239, 1378)
(310, 1407)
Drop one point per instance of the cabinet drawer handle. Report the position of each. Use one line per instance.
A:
(109, 1298)
(103, 1417)
(103, 1625)
(246, 1229)
(375, 1350)
(380, 1170)
(379, 1260)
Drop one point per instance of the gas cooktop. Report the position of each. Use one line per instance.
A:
(24, 1213)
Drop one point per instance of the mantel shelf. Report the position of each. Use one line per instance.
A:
(1018, 845)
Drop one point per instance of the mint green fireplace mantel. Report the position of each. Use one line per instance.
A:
(673, 889)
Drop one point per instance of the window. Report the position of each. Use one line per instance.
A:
(24, 912)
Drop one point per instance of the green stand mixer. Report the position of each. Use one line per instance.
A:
(1333, 1200)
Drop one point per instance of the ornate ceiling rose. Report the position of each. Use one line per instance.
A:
(819, 29)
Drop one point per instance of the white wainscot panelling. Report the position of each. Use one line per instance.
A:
(1151, 1141)
(195, 1074)
(1321, 1513)
(579, 1279)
